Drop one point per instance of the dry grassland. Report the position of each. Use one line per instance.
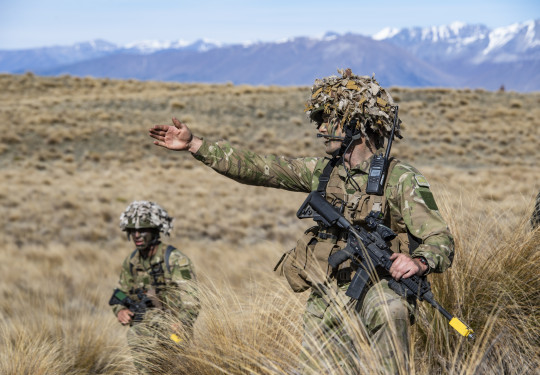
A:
(75, 151)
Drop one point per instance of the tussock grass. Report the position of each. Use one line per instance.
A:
(74, 152)
(492, 286)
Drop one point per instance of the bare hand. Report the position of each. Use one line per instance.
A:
(124, 316)
(404, 266)
(177, 137)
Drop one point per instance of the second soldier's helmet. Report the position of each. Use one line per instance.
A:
(144, 215)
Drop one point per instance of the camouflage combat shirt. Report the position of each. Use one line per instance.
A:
(177, 290)
(411, 207)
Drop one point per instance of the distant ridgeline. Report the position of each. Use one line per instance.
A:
(458, 56)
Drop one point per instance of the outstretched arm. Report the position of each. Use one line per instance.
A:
(241, 165)
(177, 137)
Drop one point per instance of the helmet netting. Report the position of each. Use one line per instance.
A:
(149, 212)
(351, 97)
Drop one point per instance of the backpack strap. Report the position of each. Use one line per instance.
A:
(131, 264)
(168, 252)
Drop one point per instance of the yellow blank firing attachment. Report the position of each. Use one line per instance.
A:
(462, 328)
(178, 340)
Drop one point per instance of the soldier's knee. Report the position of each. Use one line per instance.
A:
(383, 312)
(397, 310)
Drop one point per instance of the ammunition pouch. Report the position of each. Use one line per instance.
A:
(307, 263)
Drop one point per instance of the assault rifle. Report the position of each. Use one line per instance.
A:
(119, 297)
(369, 251)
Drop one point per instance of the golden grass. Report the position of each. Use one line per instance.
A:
(75, 151)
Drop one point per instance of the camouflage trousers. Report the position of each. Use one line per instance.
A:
(345, 337)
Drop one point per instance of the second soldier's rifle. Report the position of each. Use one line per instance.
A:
(370, 252)
(138, 308)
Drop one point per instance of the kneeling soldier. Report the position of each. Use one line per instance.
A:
(157, 287)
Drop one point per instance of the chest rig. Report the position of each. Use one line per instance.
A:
(363, 204)
(306, 266)
(149, 275)
(355, 204)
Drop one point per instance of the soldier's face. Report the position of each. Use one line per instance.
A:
(333, 129)
(142, 238)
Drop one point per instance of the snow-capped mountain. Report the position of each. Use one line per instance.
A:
(40, 59)
(475, 44)
(151, 46)
(456, 55)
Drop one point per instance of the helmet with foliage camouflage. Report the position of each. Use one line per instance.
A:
(145, 214)
(350, 97)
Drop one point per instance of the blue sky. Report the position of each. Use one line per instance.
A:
(35, 23)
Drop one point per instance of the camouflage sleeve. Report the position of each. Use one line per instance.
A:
(125, 283)
(412, 206)
(181, 297)
(252, 169)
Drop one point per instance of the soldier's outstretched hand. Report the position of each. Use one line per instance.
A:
(177, 137)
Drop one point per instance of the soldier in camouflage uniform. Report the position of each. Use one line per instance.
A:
(354, 115)
(161, 275)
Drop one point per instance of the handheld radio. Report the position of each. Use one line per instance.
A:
(379, 164)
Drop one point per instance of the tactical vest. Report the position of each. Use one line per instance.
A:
(357, 204)
(153, 279)
(306, 265)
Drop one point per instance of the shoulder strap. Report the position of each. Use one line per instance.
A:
(325, 176)
(131, 264)
(168, 252)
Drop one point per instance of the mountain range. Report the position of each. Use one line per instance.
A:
(458, 55)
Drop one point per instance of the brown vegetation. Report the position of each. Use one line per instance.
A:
(75, 151)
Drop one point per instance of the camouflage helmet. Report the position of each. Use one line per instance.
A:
(350, 97)
(146, 214)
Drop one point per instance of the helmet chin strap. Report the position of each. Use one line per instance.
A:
(155, 240)
(346, 141)
(351, 136)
